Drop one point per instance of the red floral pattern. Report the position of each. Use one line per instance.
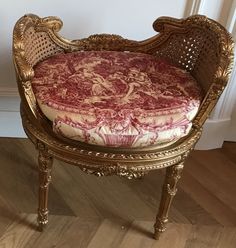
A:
(116, 98)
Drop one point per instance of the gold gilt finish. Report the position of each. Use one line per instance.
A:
(45, 161)
(198, 44)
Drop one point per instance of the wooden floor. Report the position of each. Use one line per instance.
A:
(113, 212)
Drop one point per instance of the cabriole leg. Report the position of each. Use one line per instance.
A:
(44, 166)
(173, 174)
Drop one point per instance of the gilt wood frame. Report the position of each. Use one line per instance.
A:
(104, 161)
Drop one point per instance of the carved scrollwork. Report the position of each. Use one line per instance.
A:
(119, 170)
(48, 23)
(105, 42)
(30, 97)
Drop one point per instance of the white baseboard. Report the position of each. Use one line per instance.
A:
(10, 120)
(10, 123)
(213, 135)
(7, 91)
(231, 136)
(231, 132)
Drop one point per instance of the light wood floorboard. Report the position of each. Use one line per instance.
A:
(108, 212)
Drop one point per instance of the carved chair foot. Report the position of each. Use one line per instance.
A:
(42, 220)
(159, 227)
(157, 234)
(41, 227)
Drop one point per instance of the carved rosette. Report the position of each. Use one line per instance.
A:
(121, 171)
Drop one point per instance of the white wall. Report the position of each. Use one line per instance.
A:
(216, 9)
(231, 131)
(221, 124)
(129, 18)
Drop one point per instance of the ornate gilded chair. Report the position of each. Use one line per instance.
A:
(113, 106)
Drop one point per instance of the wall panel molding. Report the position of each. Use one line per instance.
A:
(213, 135)
(226, 105)
(10, 120)
(231, 22)
(194, 7)
(7, 91)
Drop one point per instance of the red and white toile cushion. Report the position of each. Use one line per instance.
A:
(116, 99)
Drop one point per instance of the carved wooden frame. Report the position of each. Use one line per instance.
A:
(104, 161)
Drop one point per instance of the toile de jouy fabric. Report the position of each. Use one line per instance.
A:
(116, 99)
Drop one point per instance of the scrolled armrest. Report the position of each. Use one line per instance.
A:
(34, 39)
(203, 47)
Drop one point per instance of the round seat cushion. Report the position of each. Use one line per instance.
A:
(119, 99)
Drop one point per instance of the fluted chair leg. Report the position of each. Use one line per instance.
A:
(45, 161)
(173, 174)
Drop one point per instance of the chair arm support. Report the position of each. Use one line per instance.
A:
(32, 43)
(204, 48)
